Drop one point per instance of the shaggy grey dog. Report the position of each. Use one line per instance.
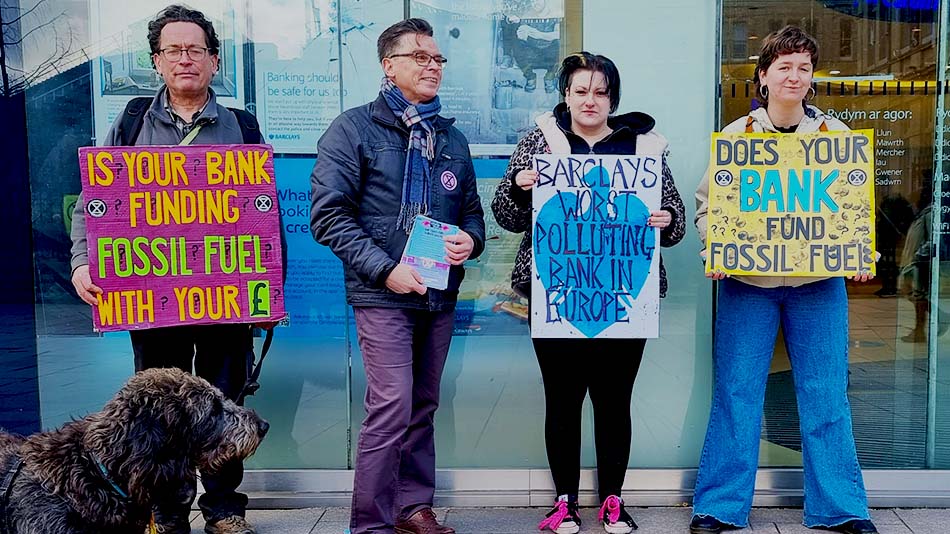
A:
(101, 473)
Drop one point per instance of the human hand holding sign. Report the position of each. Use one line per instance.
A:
(86, 290)
(660, 218)
(525, 179)
(865, 277)
(458, 247)
(715, 275)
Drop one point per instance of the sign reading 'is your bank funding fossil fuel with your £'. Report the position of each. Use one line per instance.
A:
(792, 204)
(596, 262)
(182, 235)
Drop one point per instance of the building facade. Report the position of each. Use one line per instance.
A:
(70, 66)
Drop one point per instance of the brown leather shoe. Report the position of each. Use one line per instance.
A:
(422, 522)
(234, 524)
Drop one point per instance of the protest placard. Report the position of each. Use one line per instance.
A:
(792, 204)
(182, 235)
(596, 262)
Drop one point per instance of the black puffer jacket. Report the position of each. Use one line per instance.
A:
(512, 205)
(357, 189)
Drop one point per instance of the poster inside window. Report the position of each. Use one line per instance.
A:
(310, 70)
(123, 68)
(502, 70)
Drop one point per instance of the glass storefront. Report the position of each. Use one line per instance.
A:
(296, 64)
(877, 71)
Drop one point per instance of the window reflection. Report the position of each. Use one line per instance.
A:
(877, 70)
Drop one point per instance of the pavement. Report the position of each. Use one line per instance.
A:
(654, 520)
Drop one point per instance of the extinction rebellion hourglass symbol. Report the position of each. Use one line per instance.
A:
(96, 208)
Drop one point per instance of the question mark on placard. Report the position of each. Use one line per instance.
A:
(194, 168)
(725, 219)
(120, 250)
(267, 249)
(246, 200)
(164, 302)
(153, 200)
(194, 252)
(227, 248)
(276, 292)
(118, 202)
(715, 229)
(733, 232)
(722, 231)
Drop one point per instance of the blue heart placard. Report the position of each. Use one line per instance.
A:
(596, 264)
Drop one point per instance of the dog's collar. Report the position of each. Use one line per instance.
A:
(105, 475)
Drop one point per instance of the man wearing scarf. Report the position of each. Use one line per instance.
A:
(378, 166)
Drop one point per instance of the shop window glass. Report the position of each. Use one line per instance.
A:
(890, 317)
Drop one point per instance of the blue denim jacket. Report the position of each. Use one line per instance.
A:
(357, 190)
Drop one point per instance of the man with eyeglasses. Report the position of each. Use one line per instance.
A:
(184, 49)
(378, 166)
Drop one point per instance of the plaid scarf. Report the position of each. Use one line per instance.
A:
(415, 183)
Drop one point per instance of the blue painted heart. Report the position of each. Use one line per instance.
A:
(593, 253)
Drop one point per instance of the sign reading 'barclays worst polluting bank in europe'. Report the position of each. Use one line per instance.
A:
(182, 235)
(596, 262)
(791, 204)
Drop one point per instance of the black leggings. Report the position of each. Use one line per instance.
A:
(607, 369)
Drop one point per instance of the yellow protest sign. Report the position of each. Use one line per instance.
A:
(791, 204)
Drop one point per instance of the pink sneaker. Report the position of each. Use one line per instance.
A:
(563, 518)
(616, 520)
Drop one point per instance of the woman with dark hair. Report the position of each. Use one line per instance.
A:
(813, 313)
(584, 124)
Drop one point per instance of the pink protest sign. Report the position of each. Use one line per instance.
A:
(182, 235)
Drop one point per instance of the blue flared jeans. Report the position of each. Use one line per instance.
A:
(814, 319)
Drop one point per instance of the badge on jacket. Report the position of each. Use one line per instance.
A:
(449, 181)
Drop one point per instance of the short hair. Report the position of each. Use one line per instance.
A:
(595, 63)
(389, 39)
(180, 13)
(788, 40)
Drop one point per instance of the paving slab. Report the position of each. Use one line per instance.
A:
(299, 521)
(327, 527)
(654, 520)
(925, 520)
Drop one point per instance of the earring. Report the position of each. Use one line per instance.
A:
(764, 92)
(813, 93)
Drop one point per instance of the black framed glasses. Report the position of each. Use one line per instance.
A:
(195, 53)
(422, 59)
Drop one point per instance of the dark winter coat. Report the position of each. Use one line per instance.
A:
(357, 190)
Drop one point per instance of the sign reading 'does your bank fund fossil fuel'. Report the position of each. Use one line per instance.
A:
(791, 204)
(596, 261)
(182, 235)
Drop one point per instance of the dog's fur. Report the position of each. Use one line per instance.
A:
(151, 437)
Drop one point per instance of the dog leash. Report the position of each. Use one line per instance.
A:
(105, 475)
(6, 487)
(152, 527)
(252, 385)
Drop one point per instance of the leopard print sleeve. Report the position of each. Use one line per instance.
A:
(512, 205)
(673, 203)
